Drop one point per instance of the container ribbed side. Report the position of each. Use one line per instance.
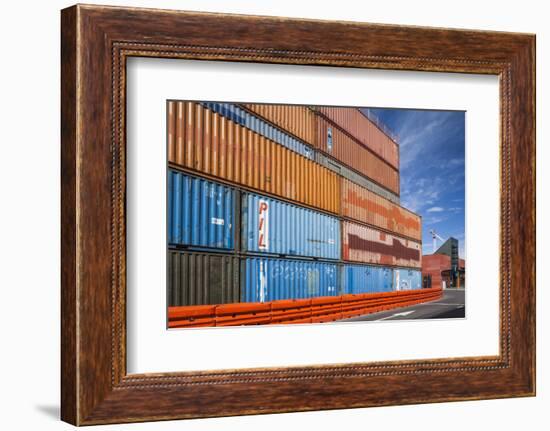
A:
(368, 245)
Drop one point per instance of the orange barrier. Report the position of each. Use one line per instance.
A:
(313, 310)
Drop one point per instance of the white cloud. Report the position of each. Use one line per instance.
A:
(433, 220)
(435, 210)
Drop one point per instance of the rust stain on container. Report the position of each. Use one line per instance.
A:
(334, 142)
(202, 143)
(369, 245)
(363, 205)
(298, 120)
(365, 131)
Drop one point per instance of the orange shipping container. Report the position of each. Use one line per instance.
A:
(354, 122)
(356, 156)
(206, 142)
(368, 245)
(297, 120)
(363, 205)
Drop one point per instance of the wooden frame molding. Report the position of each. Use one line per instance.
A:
(96, 41)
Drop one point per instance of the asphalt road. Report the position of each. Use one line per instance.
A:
(451, 305)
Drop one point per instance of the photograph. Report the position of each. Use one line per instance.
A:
(297, 214)
(329, 208)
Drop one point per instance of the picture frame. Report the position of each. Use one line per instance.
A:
(96, 41)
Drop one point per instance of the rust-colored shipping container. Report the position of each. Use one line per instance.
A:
(298, 120)
(368, 245)
(334, 142)
(354, 122)
(363, 205)
(433, 265)
(353, 176)
(206, 142)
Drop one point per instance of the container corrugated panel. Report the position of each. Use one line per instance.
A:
(272, 226)
(299, 120)
(363, 205)
(354, 122)
(200, 212)
(369, 245)
(271, 279)
(353, 176)
(201, 279)
(366, 279)
(214, 145)
(238, 115)
(407, 279)
(332, 141)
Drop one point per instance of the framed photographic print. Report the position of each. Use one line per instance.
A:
(251, 205)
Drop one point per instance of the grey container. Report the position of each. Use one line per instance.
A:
(202, 278)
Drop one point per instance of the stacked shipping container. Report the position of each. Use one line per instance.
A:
(272, 226)
(268, 194)
(368, 245)
(357, 125)
(200, 212)
(336, 143)
(360, 204)
(215, 146)
(266, 279)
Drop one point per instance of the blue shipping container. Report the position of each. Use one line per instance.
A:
(407, 279)
(273, 226)
(200, 212)
(366, 279)
(261, 127)
(271, 279)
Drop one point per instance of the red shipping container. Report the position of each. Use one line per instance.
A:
(335, 143)
(354, 122)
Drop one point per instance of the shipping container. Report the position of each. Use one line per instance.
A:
(244, 118)
(201, 279)
(369, 245)
(271, 279)
(298, 120)
(273, 226)
(213, 145)
(361, 128)
(365, 206)
(353, 176)
(407, 279)
(366, 279)
(200, 212)
(335, 143)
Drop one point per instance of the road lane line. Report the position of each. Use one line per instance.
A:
(403, 313)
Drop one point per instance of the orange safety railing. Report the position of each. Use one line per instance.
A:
(312, 310)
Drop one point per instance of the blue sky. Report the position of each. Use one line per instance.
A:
(431, 145)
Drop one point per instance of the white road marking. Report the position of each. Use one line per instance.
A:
(403, 313)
